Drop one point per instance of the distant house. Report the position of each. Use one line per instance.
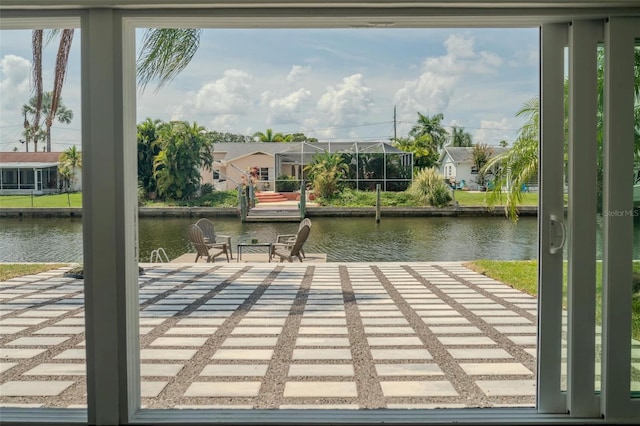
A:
(456, 165)
(231, 162)
(370, 163)
(32, 173)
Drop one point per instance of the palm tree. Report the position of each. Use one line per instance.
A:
(425, 152)
(326, 171)
(62, 59)
(165, 52)
(459, 137)
(431, 126)
(63, 115)
(269, 136)
(518, 165)
(185, 149)
(481, 153)
(31, 130)
(148, 148)
(69, 161)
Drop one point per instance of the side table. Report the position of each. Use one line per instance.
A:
(242, 245)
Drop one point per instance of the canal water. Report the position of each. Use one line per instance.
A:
(343, 239)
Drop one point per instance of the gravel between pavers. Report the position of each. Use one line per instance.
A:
(359, 302)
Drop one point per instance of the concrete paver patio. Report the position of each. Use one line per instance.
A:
(269, 335)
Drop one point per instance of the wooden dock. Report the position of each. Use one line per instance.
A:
(250, 258)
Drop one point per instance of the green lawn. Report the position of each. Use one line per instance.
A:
(523, 275)
(347, 198)
(466, 198)
(42, 201)
(10, 270)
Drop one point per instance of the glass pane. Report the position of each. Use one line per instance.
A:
(253, 336)
(635, 299)
(42, 339)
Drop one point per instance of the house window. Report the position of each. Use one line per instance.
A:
(263, 173)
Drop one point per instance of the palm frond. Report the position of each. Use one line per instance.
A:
(165, 53)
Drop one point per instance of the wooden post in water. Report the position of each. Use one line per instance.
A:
(242, 203)
(303, 201)
(378, 203)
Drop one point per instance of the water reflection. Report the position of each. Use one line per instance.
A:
(343, 239)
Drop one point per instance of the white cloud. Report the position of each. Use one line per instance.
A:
(14, 86)
(432, 91)
(230, 94)
(297, 72)
(224, 122)
(492, 132)
(458, 46)
(348, 102)
(282, 110)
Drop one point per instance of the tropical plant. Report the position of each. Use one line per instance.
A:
(429, 188)
(286, 183)
(269, 136)
(425, 152)
(299, 137)
(69, 161)
(480, 154)
(215, 137)
(206, 189)
(459, 137)
(63, 115)
(60, 71)
(431, 126)
(148, 149)
(518, 165)
(326, 171)
(164, 53)
(184, 151)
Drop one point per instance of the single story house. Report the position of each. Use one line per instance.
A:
(32, 173)
(456, 165)
(370, 163)
(232, 161)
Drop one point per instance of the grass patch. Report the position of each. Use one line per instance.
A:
(466, 198)
(346, 198)
(523, 275)
(12, 270)
(42, 201)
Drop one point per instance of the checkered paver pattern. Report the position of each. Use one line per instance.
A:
(346, 336)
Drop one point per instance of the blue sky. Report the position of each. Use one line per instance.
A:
(333, 84)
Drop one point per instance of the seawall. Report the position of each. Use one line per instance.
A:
(466, 211)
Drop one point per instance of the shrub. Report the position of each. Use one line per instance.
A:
(286, 183)
(428, 187)
(206, 189)
(142, 193)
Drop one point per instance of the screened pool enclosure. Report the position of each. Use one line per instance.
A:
(370, 163)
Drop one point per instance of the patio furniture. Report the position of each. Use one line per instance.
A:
(268, 246)
(287, 240)
(290, 251)
(210, 236)
(203, 249)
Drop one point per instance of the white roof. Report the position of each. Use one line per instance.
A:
(27, 165)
